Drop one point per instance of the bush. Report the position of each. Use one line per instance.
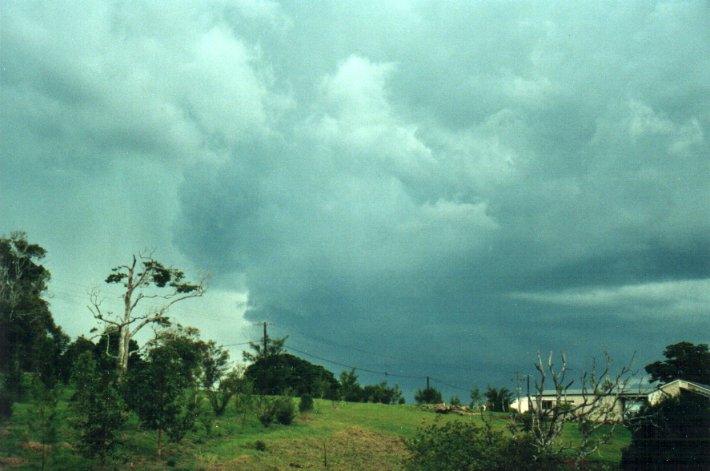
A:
(306, 403)
(260, 445)
(428, 396)
(463, 446)
(284, 411)
(279, 410)
(452, 446)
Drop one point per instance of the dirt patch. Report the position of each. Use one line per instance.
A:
(35, 446)
(10, 462)
(348, 449)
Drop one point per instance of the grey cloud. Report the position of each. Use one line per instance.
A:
(418, 178)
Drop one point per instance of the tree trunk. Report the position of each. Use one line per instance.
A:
(123, 344)
(160, 443)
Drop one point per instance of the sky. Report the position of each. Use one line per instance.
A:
(419, 188)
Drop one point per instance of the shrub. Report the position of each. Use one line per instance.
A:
(463, 446)
(428, 396)
(279, 410)
(260, 445)
(306, 403)
(452, 446)
(284, 411)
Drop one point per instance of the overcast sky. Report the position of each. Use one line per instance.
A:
(423, 188)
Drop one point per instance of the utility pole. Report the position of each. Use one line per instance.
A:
(266, 337)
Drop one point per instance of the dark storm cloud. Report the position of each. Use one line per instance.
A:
(438, 183)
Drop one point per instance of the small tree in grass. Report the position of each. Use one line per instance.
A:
(498, 399)
(45, 416)
(163, 392)
(98, 409)
(429, 395)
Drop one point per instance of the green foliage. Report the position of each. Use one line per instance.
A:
(46, 418)
(30, 341)
(349, 389)
(381, 393)
(684, 360)
(498, 400)
(276, 410)
(232, 385)
(163, 391)
(452, 446)
(670, 435)
(305, 403)
(462, 445)
(428, 395)
(476, 399)
(269, 347)
(276, 374)
(98, 408)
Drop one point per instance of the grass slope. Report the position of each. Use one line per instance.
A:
(333, 436)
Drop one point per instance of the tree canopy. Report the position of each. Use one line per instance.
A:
(30, 341)
(684, 360)
(278, 374)
(143, 278)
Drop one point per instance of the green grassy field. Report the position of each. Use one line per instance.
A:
(335, 435)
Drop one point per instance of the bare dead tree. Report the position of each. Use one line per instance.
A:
(143, 279)
(596, 414)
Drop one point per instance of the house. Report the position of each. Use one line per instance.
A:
(677, 388)
(608, 407)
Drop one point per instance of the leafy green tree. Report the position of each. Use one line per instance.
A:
(428, 395)
(231, 385)
(382, 393)
(99, 411)
(144, 278)
(30, 341)
(163, 391)
(280, 373)
(349, 388)
(269, 347)
(684, 360)
(498, 399)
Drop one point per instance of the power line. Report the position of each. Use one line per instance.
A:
(383, 373)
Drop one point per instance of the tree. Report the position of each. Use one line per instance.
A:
(684, 360)
(269, 347)
(382, 393)
(673, 434)
(498, 400)
(281, 373)
(98, 408)
(600, 391)
(349, 388)
(670, 435)
(144, 278)
(428, 395)
(30, 341)
(162, 392)
(476, 398)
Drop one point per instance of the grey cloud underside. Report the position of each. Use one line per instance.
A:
(427, 180)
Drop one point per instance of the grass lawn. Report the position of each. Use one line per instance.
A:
(336, 435)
